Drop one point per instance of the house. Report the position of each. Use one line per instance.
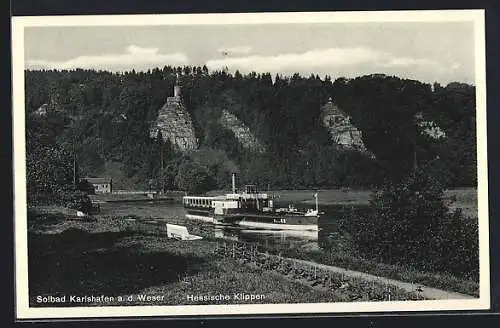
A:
(101, 185)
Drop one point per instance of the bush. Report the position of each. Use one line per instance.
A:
(76, 200)
(194, 178)
(409, 223)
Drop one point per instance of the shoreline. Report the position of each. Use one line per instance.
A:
(136, 234)
(166, 267)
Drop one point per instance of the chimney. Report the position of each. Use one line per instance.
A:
(234, 183)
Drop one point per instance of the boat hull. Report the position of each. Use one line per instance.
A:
(257, 220)
(278, 222)
(274, 226)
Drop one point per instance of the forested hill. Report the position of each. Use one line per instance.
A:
(107, 117)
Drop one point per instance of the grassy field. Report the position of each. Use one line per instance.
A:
(464, 198)
(104, 257)
(83, 260)
(338, 248)
(341, 252)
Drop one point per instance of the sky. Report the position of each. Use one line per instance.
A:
(427, 51)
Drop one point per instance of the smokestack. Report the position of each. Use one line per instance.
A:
(234, 183)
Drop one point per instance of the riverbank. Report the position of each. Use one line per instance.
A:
(463, 198)
(81, 260)
(110, 254)
(337, 248)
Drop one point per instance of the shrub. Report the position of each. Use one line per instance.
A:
(194, 178)
(76, 200)
(409, 223)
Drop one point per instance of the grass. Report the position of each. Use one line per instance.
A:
(325, 197)
(104, 258)
(398, 272)
(464, 198)
(340, 251)
(109, 257)
(345, 257)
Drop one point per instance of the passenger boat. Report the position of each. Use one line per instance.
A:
(250, 209)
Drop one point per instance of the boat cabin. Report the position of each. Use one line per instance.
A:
(197, 201)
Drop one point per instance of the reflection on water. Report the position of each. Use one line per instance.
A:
(328, 234)
(273, 238)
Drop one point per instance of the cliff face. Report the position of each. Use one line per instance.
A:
(175, 125)
(429, 128)
(342, 131)
(241, 131)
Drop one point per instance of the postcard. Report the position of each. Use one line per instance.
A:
(182, 165)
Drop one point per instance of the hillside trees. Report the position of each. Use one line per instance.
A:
(284, 114)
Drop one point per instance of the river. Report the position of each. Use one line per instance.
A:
(306, 240)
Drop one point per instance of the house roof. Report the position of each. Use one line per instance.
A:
(98, 180)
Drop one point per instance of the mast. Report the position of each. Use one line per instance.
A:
(316, 197)
(74, 166)
(234, 182)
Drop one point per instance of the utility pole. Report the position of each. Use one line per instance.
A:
(74, 165)
(162, 181)
(417, 119)
(74, 146)
(415, 165)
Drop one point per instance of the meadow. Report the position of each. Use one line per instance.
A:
(464, 198)
(134, 266)
(108, 257)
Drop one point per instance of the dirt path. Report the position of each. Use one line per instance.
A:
(426, 292)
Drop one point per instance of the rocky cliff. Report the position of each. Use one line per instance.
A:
(429, 128)
(341, 129)
(241, 132)
(175, 125)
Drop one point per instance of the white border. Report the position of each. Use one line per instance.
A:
(19, 23)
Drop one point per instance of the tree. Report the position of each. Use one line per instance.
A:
(284, 115)
(409, 222)
(194, 178)
(49, 170)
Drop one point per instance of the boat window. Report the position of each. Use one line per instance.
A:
(251, 189)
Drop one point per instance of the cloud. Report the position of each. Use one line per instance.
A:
(236, 49)
(348, 62)
(291, 61)
(406, 61)
(455, 66)
(135, 57)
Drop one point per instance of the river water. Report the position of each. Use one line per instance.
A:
(305, 240)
